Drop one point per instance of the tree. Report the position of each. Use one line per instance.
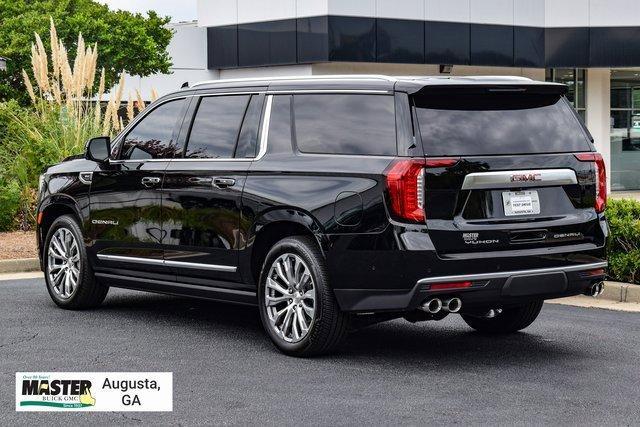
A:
(131, 42)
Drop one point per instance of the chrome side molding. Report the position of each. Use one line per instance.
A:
(168, 263)
(519, 178)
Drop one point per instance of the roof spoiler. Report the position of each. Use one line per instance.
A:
(533, 87)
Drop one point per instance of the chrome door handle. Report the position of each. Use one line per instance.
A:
(150, 181)
(223, 182)
(200, 180)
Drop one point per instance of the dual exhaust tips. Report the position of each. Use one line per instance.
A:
(595, 289)
(435, 305)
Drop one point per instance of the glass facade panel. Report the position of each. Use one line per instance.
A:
(575, 81)
(625, 130)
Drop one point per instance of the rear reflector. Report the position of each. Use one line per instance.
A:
(594, 273)
(601, 178)
(453, 285)
(39, 218)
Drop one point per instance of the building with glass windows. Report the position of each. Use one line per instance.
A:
(587, 44)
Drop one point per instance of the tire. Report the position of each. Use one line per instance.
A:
(87, 292)
(510, 320)
(328, 325)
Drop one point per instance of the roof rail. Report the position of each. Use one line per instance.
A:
(315, 77)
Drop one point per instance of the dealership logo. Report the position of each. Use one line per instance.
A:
(526, 177)
(94, 391)
(56, 393)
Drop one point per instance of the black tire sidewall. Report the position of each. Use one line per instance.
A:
(298, 247)
(70, 224)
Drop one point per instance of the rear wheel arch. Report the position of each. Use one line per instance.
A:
(275, 227)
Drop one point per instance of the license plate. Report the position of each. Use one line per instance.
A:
(520, 203)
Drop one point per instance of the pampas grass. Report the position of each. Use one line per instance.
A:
(67, 110)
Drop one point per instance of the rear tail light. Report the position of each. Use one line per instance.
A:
(405, 181)
(601, 178)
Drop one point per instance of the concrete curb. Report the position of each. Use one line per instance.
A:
(19, 265)
(621, 292)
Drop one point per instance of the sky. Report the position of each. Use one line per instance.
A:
(178, 10)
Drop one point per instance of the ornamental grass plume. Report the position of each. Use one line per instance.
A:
(67, 110)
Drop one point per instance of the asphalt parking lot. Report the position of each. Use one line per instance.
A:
(574, 365)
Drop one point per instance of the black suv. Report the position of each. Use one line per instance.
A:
(335, 202)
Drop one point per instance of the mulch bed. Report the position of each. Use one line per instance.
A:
(17, 245)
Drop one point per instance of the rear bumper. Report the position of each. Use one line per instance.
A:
(490, 290)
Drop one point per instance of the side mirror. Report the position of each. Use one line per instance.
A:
(98, 149)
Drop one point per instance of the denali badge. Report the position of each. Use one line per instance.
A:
(526, 177)
(104, 222)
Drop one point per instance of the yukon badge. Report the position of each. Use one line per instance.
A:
(472, 239)
(526, 177)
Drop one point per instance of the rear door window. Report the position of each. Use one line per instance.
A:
(216, 125)
(487, 123)
(345, 124)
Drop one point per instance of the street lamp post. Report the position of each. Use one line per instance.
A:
(3, 64)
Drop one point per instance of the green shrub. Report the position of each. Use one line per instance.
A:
(624, 241)
(9, 204)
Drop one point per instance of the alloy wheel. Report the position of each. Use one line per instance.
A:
(290, 298)
(63, 263)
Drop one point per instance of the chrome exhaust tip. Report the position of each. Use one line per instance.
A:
(452, 305)
(596, 289)
(432, 306)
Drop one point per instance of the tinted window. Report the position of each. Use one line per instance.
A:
(345, 124)
(215, 127)
(280, 125)
(153, 137)
(497, 123)
(248, 139)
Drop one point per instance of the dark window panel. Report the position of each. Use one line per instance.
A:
(446, 43)
(215, 127)
(352, 39)
(248, 138)
(313, 39)
(567, 47)
(351, 124)
(400, 41)
(528, 46)
(491, 45)
(222, 47)
(267, 43)
(154, 137)
(614, 47)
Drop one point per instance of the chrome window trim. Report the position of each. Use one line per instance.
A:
(262, 143)
(329, 91)
(502, 179)
(506, 274)
(169, 263)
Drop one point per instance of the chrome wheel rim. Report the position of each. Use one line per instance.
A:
(290, 298)
(63, 263)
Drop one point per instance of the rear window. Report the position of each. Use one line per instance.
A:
(345, 124)
(486, 123)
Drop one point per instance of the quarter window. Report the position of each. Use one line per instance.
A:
(215, 127)
(154, 137)
(345, 124)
